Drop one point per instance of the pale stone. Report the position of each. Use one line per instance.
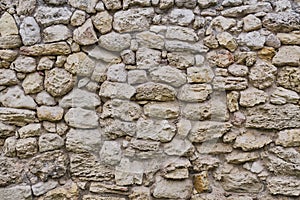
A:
(6, 130)
(10, 41)
(273, 41)
(181, 60)
(181, 33)
(238, 70)
(26, 7)
(247, 9)
(181, 46)
(78, 18)
(22, 192)
(110, 152)
(197, 111)
(249, 141)
(100, 188)
(155, 92)
(182, 17)
(289, 38)
(282, 96)
(26, 147)
(8, 55)
(233, 101)
(186, 3)
(177, 171)
(121, 109)
(56, 2)
(254, 40)
(87, 6)
(287, 55)
(134, 19)
(24, 64)
(129, 172)
(142, 3)
(282, 21)
(227, 40)
(81, 118)
(52, 15)
(164, 110)
(229, 83)
(183, 127)
(115, 41)
(147, 58)
(116, 90)
(160, 130)
(252, 96)
(178, 147)
(213, 147)
(102, 54)
(33, 83)
(9, 147)
(251, 23)
(241, 157)
(211, 41)
(150, 40)
(14, 97)
(168, 75)
(232, 2)
(80, 64)
(262, 75)
(284, 185)
(68, 190)
(220, 24)
(221, 58)
(8, 77)
(165, 4)
(112, 4)
(116, 128)
(50, 113)
(288, 138)
(44, 98)
(43, 187)
(128, 57)
(137, 77)
(8, 25)
(53, 49)
(94, 197)
(30, 130)
(85, 34)
(245, 58)
(103, 22)
(288, 77)
(49, 142)
(194, 92)
(58, 82)
(17, 116)
(207, 3)
(56, 33)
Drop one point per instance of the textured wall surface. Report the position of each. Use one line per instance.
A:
(149, 99)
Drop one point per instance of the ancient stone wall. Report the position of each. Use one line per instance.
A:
(149, 99)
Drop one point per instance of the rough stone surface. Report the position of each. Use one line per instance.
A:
(56, 33)
(116, 90)
(194, 92)
(287, 55)
(52, 15)
(262, 75)
(80, 64)
(167, 74)
(81, 118)
(102, 21)
(58, 48)
(162, 110)
(16, 192)
(33, 83)
(17, 116)
(85, 34)
(252, 96)
(30, 31)
(115, 41)
(288, 77)
(155, 92)
(282, 21)
(50, 113)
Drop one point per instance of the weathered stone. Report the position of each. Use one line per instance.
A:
(181, 60)
(155, 92)
(288, 138)
(177, 170)
(8, 55)
(273, 41)
(110, 153)
(287, 55)
(249, 141)
(9, 147)
(213, 147)
(30, 130)
(211, 41)
(103, 22)
(49, 142)
(85, 34)
(44, 98)
(147, 58)
(284, 185)
(26, 147)
(8, 77)
(112, 4)
(14, 97)
(266, 53)
(197, 111)
(56, 2)
(233, 101)
(245, 58)
(181, 46)
(80, 141)
(68, 190)
(116, 90)
(164, 110)
(282, 96)
(168, 75)
(78, 18)
(194, 92)
(142, 3)
(50, 113)
(128, 57)
(80, 64)
(262, 75)
(247, 9)
(81, 118)
(241, 157)
(117, 73)
(135, 19)
(220, 58)
(56, 33)
(45, 63)
(227, 40)
(6, 130)
(33, 83)
(101, 188)
(282, 21)
(87, 6)
(137, 76)
(17, 116)
(181, 33)
(58, 82)
(289, 38)
(94, 197)
(24, 64)
(8, 25)
(220, 24)
(115, 41)
(10, 41)
(116, 128)
(43, 187)
(251, 23)
(179, 147)
(181, 17)
(26, 7)
(22, 192)
(52, 15)
(238, 70)
(229, 83)
(150, 40)
(53, 49)
(204, 131)
(200, 74)
(252, 96)
(172, 189)
(201, 182)
(288, 77)
(254, 40)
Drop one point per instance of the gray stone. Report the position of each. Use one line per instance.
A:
(247, 9)
(282, 21)
(128, 57)
(142, 3)
(117, 73)
(137, 76)
(30, 31)
(30, 130)
(282, 96)
(44, 98)
(10, 41)
(110, 152)
(241, 157)
(155, 92)
(80, 64)
(43, 187)
(168, 75)
(249, 141)
(150, 40)
(49, 142)
(26, 7)
(252, 96)
(220, 24)
(181, 33)
(33, 83)
(207, 3)
(251, 23)
(197, 111)
(115, 128)
(179, 147)
(287, 55)
(262, 75)
(273, 41)
(116, 90)
(289, 186)
(238, 70)
(181, 60)
(81, 118)
(229, 83)
(24, 64)
(147, 58)
(232, 2)
(112, 4)
(78, 18)
(56, 33)
(165, 110)
(8, 77)
(6, 130)
(288, 138)
(56, 2)
(181, 46)
(85, 34)
(9, 147)
(181, 17)
(194, 92)
(289, 38)
(50, 113)
(103, 22)
(213, 147)
(87, 6)
(20, 192)
(18, 117)
(26, 147)
(52, 15)
(253, 40)
(288, 77)
(115, 41)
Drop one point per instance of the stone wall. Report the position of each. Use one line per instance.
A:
(149, 99)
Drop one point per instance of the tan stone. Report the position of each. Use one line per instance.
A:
(201, 182)
(85, 34)
(8, 25)
(266, 53)
(50, 113)
(59, 48)
(102, 22)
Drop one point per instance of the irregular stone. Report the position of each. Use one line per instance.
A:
(50, 113)
(14, 97)
(181, 46)
(204, 131)
(108, 188)
(8, 25)
(282, 21)
(266, 53)
(44, 98)
(181, 17)
(147, 58)
(94, 197)
(273, 41)
(43, 187)
(238, 70)
(181, 60)
(24, 64)
(220, 58)
(53, 49)
(150, 40)
(18, 117)
(58, 82)
(227, 40)
(52, 15)
(179, 147)
(200, 74)
(155, 92)
(128, 57)
(10, 171)
(56, 2)
(245, 58)
(115, 41)
(134, 19)
(229, 83)
(49, 142)
(110, 153)
(288, 77)
(80, 141)
(10, 41)
(251, 23)
(282, 96)
(287, 55)
(254, 40)
(8, 77)
(211, 41)
(30, 130)
(85, 34)
(201, 182)
(30, 31)
(211, 147)
(249, 141)
(87, 6)
(80, 64)
(177, 171)
(197, 111)
(142, 3)
(137, 76)
(112, 4)
(168, 75)
(129, 172)
(164, 110)
(289, 38)
(172, 189)
(241, 157)
(284, 185)
(78, 18)
(252, 96)
(69, 190)
(115, 128)
(102, 22)
(160, 130)
(102, 54)
(6, 130)
(140, 192)
(81, 118)
(181, 33)
(247, 9)
(288, 138)
(33, 83)
(56, 33)
(9, 147)
(22, 192)
(207, 3)
(233, 101)
(262, 75)
(194, 92)
(116, 90)
(26, 147)
(26, 7)
(8, 55)
(220, 24)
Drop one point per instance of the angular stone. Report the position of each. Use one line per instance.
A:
(116, 90)
(213, 147)
(201, 182)
(282, 21)
(101, 188)
(247, 9)
(241, 157)
(8, 55)
(211, 41)
(78, 18)
(179, 147)
(181, 46)
(115, 128)
(129, 172)
(172, 189)
(56, 2)
(254, 40)
(245, 58)
(288, 77)
(147, 58)
(289, 38)
(197, 111)
(80, 64)
(110, 153)
(227, 40)
(251, 23)
(262, 75)
(10, 41)
(8, 25)
(282, 96)
(26, 147)
(288, 138)
(52, 15)
(142, 3)
(14, 97)
(58, 82)
(181, 33)
(155, 92)
(252, 96)
(220, 58)
(266, 53)
(87, 6)
(177, 170)
(128, 57)
(44, 98)
(85, 34)
(168, 75)
(181, 60)
(18, 117)
(229, 83)
(135, 19)
(194, 92)
(102, 22)
(233, 101)
(137, 77)
(30, 130)
(112, 4)
(94, 197)
(68, 190)
(164, 110)
(9, 147)
(238, 70)
(56, 33)
(115, 41)
(49, 142)
(283, 185)
(43, 187)
(150, 40)
(21, 192)
(181, 17)
(26, 7)
(249, 141)
(24, 64)
(200, 74)
(81, 118)
(6, 130)
(50, 113)
(53, 49)
(287, 55)
(204, 131)
(8, 77)
(30, 31)
(220, 24)
(33, 83)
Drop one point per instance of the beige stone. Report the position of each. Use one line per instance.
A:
(252, 96)
(287, 55)
(202, 74)
(288, 138)
(58, 48)
(289, 38)
(8, 25)
(164, 110)
(85, 34)
(50, 113)
(194, 92)
(249, 141)
(102, 22)
(227, 40)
